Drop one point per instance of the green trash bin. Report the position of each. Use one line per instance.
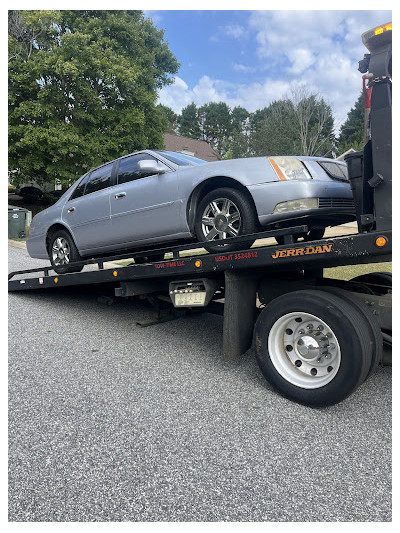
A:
(17, 222)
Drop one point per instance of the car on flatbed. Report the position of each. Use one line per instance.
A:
(150, 197)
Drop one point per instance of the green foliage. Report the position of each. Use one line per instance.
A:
(351, 133)
(274, 130)
(216, 125)
(169, 118)
(300, 125)
(188, 122)
(82, 90)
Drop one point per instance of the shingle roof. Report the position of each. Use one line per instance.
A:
(200, 149)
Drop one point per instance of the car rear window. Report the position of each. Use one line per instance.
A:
(335, 170)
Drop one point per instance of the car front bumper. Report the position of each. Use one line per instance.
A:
(333, 199)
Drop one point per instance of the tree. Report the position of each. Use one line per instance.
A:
(239, 139)
(170, 118)
(314, 121)
(351, 133)
(188, 122)
(301, 124)
(82, 90)
(215, 125)
(274, 130)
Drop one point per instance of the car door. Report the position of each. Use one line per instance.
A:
(144, 207)
(87, 212)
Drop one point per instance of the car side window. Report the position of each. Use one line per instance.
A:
(129, 167)
(80, 189)
(99, 179)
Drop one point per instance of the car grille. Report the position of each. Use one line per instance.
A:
(336, 202)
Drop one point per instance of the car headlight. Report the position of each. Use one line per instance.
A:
(289, 168)
(296, 205)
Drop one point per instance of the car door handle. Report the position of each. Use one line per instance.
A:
(70, 209)
(120, 195)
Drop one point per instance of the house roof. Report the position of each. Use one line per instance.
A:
(186, 145)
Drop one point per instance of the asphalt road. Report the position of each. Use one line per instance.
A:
(112, 422)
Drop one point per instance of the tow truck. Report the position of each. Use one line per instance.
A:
(316, 339)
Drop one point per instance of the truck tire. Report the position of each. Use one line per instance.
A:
(234, 215)
(313, 347)
(374, 330)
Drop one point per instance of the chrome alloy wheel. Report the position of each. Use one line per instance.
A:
(60, 251)
(221, 219)
(304, 350)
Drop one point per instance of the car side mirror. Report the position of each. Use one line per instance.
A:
(147, 167)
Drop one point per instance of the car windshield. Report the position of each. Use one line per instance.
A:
(181, 159)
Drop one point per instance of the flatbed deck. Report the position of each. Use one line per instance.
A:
(292, 256)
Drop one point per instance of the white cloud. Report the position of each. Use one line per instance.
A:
(238, 67)
(301, 60)
(251, 97)
(234, 30)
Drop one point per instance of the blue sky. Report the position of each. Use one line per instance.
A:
(250, 58)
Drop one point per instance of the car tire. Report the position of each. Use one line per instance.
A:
(314, 234)
(62, 251)
(225, 213)
(292, 357)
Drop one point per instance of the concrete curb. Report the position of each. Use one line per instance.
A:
(17, 244)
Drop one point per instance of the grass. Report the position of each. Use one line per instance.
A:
(351, 271)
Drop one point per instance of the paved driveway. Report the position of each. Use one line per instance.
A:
(111, 422)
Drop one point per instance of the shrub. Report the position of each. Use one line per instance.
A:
(31, 194)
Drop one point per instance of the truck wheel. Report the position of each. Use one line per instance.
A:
(374, 330)
(223, 214)
(62, 251)
(313, 347)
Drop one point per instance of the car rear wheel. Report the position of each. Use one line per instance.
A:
(62, 252)
(224, 214)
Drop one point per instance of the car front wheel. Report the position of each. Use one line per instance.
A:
(225, 214)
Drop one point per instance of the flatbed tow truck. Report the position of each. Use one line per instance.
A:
(317, 339)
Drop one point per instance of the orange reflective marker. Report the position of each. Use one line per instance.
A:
(55, 280)
(381, 241)
(115, 273)
(197, 263)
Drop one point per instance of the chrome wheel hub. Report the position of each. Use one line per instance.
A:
(304, 350)
(221, 219)
(60, 252)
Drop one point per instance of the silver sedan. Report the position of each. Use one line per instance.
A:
(144, 199)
